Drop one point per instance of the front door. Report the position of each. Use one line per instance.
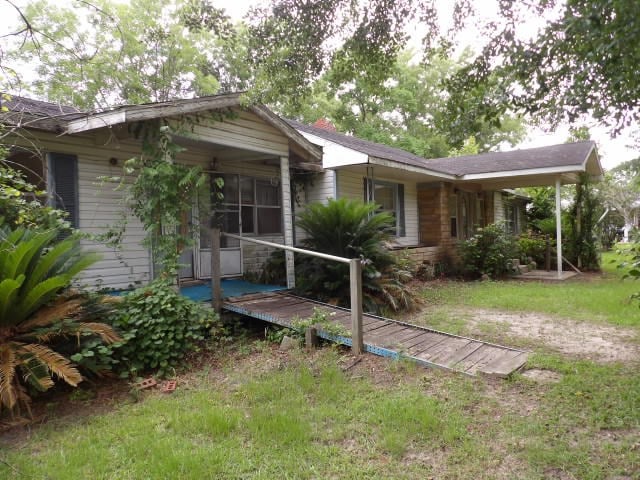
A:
(229, 213)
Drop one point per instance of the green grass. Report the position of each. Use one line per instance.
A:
(606, 300)
(261, 414)
(306, 418)
(302, 421)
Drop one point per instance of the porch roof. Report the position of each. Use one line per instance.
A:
(36, 114)
(523, 167)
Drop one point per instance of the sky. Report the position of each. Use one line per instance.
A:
(612, 151)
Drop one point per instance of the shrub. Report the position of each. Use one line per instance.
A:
(534, 247)
(39, 314)
(351, 229)
(161, 326)
(489, 252)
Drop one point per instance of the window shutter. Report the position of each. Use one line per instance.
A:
(401, 222)
(63, 170)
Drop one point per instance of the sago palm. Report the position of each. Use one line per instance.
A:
(350, 229)
(37, 308)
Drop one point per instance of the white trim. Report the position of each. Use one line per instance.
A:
(558, 228)
(287, 226)
(411, 168)
(99, 120)
(521, 173)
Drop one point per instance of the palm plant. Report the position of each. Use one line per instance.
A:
(351, 229)
(37, 308)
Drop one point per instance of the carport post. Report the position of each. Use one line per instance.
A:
(558, 228)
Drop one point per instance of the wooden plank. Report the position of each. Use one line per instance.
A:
(393, 341)
(409, 343)
(383, 333)
(430, 340)
(460, 354)
(355, 293)
(445, 347)
(371, 327)
(457, 353)
(251, 296)
(479, 359)
(505, 365)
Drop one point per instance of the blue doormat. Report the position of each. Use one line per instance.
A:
(230, 288)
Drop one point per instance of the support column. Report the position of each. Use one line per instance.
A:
(288, 220)
(216, 272)
(558, 228)
(355, 281)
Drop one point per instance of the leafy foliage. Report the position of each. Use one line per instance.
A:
(488, 252)
(534, 247)
(582, 242)
(134, 52)
(583, 61)
(351, 229)
(161, 193)
(21, 202)
(35, 318)
(161, 326)
(406, 109)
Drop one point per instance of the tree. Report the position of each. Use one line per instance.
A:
(583, 61)
(621, 192)
(135, 52)
(407, 109)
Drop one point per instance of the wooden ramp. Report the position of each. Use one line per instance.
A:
(388, 338)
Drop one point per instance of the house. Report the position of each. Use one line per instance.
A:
(435, 202)
(253, 149)
(438, 202)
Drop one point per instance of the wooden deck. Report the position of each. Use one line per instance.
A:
(389, 338)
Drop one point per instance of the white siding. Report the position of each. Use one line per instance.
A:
(351, 185)
(241, 130)
(321, 190)
(100, 206)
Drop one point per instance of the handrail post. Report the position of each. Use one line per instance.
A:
(355, 281)
(216, 271)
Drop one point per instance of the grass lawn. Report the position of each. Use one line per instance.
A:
(251, 411)
(598, 300)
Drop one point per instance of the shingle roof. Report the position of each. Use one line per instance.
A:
(365, 146)
(562, 155)
(39, 108)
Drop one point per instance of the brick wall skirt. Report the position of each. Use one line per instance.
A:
(422, 254)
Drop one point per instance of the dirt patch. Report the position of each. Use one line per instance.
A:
(600, 343)
(542, 376)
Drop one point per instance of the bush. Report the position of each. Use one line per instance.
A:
(489, 252)
(42, 321)
(351, 229)
(534, 247)
(160, 326)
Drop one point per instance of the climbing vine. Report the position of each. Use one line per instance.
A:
(162, 195)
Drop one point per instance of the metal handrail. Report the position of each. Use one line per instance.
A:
(355, 279)
(326, 256)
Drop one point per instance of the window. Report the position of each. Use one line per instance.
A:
(511, 218)
(390, 198)
(480, 210)
(453, 215)
(250, 205)
(63, 185)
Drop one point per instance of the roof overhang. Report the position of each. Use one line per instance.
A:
(137, 113)
(546, 176)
